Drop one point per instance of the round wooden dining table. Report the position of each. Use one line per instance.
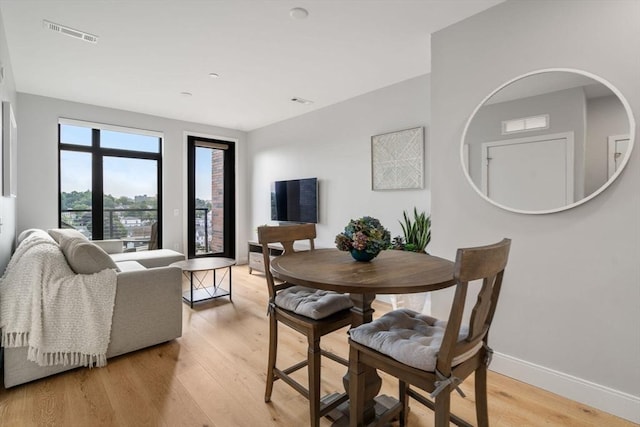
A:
(391, 272)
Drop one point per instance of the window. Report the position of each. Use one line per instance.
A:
(525, 124)
(211, 202)
(110, 182)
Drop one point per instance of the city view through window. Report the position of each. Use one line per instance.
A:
(128, 175)
(209, 191)
(129, 183)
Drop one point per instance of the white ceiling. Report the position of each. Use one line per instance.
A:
(149, 51)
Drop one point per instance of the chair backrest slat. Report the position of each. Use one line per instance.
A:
(482, 312)
(486, 263)
(481, 262)
(285, 235)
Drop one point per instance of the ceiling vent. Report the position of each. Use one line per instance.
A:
(71, 32)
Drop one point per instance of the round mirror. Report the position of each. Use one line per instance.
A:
(547, 141)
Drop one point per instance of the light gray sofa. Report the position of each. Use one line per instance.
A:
(147, 310)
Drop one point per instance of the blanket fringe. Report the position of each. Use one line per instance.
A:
(66, 358)
(15, 339)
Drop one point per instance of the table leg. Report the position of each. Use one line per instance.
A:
(363, 313)
(191, 286)
(230, 299)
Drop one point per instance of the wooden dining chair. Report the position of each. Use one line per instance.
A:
(430, 354)
(311, 312)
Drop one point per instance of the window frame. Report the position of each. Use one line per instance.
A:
(98, 154)
(229, 195)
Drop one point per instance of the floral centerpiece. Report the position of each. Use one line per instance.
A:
(364, 238)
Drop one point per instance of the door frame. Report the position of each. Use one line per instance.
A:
(230, 199)
(611, 152)
(569, 158)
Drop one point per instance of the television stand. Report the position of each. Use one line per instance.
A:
(256, 260)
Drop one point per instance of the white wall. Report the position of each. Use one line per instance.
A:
(38, 163)
(7, 204)
(569, 315)
(334, 145)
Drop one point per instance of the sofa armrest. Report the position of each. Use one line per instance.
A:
(111, 246)
(147, 309)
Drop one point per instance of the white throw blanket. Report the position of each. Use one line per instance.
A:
(63, 317)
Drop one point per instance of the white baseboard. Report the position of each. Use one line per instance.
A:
(606, 399)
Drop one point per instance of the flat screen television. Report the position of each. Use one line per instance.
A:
(295, 200)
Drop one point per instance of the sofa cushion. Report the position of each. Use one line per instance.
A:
(84, 257)
(110, 246)
(150, 259)
(58, 233)
(129, 266)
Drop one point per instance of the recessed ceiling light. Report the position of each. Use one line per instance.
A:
(186, 94)
(298, 13)
(214, 75)
(301, 100)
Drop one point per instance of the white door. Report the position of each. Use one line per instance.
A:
(618, 146)
(534, 173)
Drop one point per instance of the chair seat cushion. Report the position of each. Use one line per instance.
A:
(313, 303)
(408, 337)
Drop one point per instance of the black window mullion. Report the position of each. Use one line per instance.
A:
(229, 202)
(159, 194)
(191, 196)
(78, 148)
(112, 152)
(97, 195)
(60, 149)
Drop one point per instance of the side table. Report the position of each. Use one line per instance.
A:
(199, 291)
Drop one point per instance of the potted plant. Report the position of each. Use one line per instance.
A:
(417, 232)
(364, 238)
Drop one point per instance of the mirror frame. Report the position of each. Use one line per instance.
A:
(632, 137)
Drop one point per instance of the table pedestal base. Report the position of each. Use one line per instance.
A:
(385, 407)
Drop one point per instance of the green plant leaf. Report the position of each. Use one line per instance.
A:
(416, 230)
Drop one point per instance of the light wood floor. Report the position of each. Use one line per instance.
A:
(214, 376)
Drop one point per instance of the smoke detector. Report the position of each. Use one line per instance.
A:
(68, 31)
(298, 13)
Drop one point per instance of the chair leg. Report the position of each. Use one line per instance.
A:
(404, 401)
(314, 379)
(273, 351)
(443, 408)
(482, 412)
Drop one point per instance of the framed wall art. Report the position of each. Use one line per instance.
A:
(397, 160)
